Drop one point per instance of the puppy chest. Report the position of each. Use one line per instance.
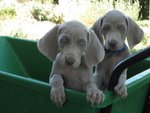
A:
(76, 80)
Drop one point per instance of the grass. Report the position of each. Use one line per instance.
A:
(7, 12)
(143, 44)
(18, 34)
(144, 23)
(43, 14)
(44, 10)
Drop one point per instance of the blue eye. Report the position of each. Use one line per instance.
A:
(121, 27)
(82, 42)
(64, 40)
(106, 28)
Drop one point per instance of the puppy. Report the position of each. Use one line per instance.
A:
(74, 50)
(112, 30)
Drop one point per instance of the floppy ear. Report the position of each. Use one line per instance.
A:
(134, 33)
(95, 51)
(97, 29)
(47, 45)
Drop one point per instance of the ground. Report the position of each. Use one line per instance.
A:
(25, 26)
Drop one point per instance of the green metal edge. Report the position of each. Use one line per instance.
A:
(133, 84)
(16, 57)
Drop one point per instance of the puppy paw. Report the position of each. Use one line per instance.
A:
(58, 96)
(121, 90)
(95, 96)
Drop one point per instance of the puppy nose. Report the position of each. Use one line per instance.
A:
(70, 61)
(113, 43)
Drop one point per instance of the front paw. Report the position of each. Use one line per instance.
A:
(58, 96)
(95, 96)
(121, 90)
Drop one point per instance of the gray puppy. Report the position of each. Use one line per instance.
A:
(112, 29)
(74, 50)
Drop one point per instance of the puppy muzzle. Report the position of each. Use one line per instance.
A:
(69, 61)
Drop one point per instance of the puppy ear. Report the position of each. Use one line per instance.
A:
(134, 33)
(95, 51)
(47, 45)
(97, 29)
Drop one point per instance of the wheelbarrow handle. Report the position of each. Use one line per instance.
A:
(119, 68)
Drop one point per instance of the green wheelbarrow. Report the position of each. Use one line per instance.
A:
(24, 88)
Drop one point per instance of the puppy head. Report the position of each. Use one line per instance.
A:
(73, 41)
(114, 27)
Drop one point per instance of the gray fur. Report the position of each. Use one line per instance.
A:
(112, 29)
(74, 50)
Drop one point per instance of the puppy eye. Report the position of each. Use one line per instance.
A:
(106, 28)
(64, 40)
(82, 42)
(121, 27)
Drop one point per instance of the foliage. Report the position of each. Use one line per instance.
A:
(47, 1)
(145, 41)
(7, 12)
(97, 9)
(86, 11)
(39, 14)
(143, 44)
(43, 14)
(18, 34)
(129, 8)
(57, 19)
(144, 23)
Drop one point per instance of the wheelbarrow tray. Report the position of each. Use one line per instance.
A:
(24, 87)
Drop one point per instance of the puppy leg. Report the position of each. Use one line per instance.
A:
(57, 91)
(94, 95)
(120, 88)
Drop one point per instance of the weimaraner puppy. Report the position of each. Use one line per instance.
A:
(112, 29)
(74, 50)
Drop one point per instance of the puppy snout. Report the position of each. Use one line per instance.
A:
(69, 60)
(112, 43)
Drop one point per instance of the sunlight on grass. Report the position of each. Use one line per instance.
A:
(144, 23)
(33, 18)
(6, 13)
(143, 44)
(18, 34)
